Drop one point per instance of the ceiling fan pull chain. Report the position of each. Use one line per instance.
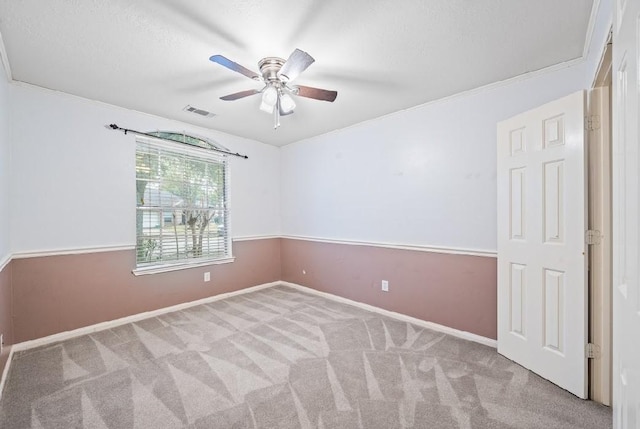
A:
(276, 114)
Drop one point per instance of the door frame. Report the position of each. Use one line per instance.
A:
(600, 219)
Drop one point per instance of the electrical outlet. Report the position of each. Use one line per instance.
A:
(207, 276)
(385, 285)
(304, 272)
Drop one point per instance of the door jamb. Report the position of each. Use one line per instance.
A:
(599, 207)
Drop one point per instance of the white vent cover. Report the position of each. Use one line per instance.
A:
(197, 111)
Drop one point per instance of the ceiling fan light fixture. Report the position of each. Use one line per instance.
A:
(286, 103)
(276, 74)
(269, 99)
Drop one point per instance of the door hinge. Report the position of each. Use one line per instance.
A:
(593, 237)
(592, 122)
(593, 351)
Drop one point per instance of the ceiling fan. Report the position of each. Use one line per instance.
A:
(277, 74)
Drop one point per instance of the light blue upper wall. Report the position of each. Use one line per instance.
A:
(5, 155)
(424, 176)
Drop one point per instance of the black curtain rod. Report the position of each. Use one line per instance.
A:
(126, 130)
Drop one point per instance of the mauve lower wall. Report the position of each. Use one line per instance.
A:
(6, 322)
(6, 326)
(54, 294)
(458, 291)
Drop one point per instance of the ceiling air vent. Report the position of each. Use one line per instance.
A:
(197, 111)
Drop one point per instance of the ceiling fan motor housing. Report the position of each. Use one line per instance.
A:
(269, 68)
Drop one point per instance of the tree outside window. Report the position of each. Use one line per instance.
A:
(181, 201)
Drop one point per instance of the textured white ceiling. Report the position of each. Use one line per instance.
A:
(381, 56)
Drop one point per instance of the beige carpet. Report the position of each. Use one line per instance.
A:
(279, 358)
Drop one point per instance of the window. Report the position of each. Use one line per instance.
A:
(182, 217)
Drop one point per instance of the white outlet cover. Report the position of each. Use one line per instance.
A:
(385, 285)
(207, 276)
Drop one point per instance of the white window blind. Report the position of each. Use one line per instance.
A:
(182, 213)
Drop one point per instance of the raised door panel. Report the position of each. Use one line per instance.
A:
(517, 212)
(554, 310)
(553, 201)
(553, 131)
(518, 298)
(517, 141)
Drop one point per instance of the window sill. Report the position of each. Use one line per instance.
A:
(156, 269)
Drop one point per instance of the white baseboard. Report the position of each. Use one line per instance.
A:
(25, 345)
(399, 316)
(5, 372)
(134, 318)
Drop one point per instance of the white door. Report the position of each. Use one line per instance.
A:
(542, 289)
(626, 220)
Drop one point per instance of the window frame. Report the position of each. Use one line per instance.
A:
(200, 152)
